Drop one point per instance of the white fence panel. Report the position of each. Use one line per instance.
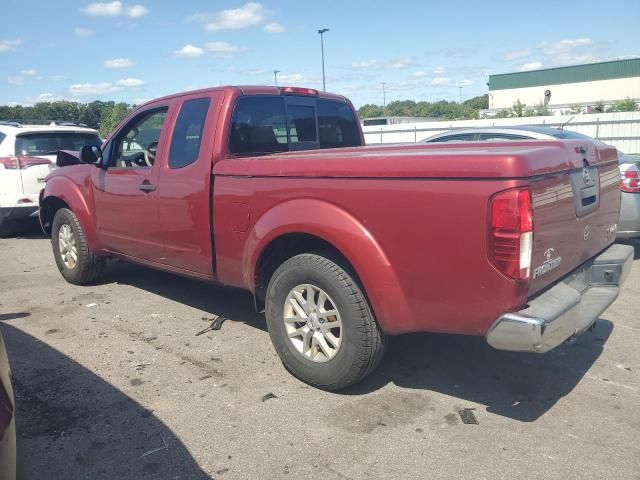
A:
(621, 129)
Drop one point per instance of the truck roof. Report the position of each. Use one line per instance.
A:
(249, 90)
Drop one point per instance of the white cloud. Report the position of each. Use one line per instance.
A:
(118, 63)
(130, 83)
(82, 32)
(294, 77)
(250, 14)
(420, 74)
(439, 70)
(31, 72)
(91, 89)
(110, 9)
(273, 27)
(515, 54)
(365, 64)
(103, 88)
(222, 49)
(16, 81)
(400, 63)
(530, 66)
(439, 81)
(189, 51)
(114, 9)
(9, 45)
(136, 11)
(564, 52)
(465, 83)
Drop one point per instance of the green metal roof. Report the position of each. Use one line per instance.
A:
(577, 73)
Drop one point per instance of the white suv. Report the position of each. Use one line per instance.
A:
(27, 155)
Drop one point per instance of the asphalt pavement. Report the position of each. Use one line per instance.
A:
(112, 382)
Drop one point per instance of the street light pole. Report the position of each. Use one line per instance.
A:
(322, 31)
(275, 76)
(384, 96)
(460, 88)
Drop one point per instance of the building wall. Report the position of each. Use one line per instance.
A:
(568, 93)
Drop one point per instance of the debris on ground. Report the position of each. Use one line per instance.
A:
(91, 305)
(215, 325)
(154, 450)
(468, 417)
(268, 396)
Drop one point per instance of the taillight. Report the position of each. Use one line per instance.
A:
(298, 91)
(14, 163)
(511, 232)
(630, 181)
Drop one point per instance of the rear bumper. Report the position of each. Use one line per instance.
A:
(566, 309)
(629, 223)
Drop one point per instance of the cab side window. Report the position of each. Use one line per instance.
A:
(187, 134)
(258, 126)
(137, 144)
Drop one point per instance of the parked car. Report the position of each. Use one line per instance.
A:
(27, 155)
(7, 419)
(271, 190)
(629, 223)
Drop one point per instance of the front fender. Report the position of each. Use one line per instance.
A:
(348, 235)
(65, 189)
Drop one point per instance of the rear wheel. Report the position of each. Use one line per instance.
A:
(321, 324)
(75, 259)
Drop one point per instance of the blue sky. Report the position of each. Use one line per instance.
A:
(140, 49)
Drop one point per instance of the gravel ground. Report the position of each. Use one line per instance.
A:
(112, 382)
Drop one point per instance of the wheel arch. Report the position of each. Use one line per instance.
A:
(61, 192)
(288, 230)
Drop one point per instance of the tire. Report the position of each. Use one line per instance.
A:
(361, 342)
(88, 267)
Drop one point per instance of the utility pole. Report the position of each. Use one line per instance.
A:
(275, 76)
(384, 95)
(460, 89)
(322, 31)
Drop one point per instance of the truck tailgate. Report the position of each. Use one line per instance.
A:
(575, 212)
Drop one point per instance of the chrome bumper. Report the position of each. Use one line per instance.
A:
(566, 309)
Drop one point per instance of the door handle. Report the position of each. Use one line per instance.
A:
(147, 187)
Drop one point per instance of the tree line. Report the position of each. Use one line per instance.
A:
(469, 109)
(103, 116)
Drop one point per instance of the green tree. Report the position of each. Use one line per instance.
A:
(369, 110)
(626, 105)
(112, 116)
(575, 109)
(518, 109)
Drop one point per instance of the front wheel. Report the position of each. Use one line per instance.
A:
(75, 259)
(321, 324)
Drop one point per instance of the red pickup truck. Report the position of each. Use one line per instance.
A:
(271, 190)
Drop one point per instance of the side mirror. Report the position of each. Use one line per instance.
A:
(92, 155)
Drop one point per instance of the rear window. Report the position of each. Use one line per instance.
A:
(48, 143)
(567, 134)
(258, 126)
(261, 125)
(459, 137)
(337, 125)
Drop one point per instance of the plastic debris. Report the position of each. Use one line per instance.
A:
(468, 417)
(91, 305)
(215, 325)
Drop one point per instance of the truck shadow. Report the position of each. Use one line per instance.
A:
(73, 424)
(515, 385)
(521, 386)
(232, 303)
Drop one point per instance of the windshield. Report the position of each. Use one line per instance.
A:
(48, 143)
